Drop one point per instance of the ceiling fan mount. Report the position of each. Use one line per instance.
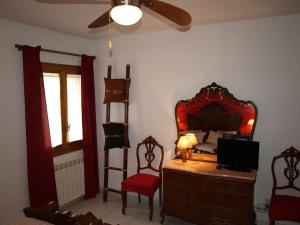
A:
(171, 12)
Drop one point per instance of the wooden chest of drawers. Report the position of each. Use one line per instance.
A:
(204, 195)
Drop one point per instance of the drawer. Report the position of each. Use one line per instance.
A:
(184, 193)
(221, 186)
(226, 200)
(190, 181)
(188, 207)
(227, 215)
(175, 190)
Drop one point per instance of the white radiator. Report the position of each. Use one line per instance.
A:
(69, 177)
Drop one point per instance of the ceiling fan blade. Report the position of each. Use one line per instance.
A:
(75, 1)
(101, 21)
(173, 13)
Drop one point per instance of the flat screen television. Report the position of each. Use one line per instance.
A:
(235, 154)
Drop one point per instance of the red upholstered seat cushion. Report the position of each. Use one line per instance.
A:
(145, 184)
(284, 207)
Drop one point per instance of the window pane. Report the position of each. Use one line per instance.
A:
(74, 107)
(52, 92)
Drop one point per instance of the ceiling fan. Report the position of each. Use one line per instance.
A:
(171, 12)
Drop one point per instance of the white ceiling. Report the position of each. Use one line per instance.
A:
(75, 18)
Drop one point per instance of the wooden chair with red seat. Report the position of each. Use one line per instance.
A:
(144, 183)
(282, 206)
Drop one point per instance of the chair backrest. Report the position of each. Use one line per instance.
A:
(291, 159)
(150, 145)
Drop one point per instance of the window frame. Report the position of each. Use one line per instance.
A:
(63, 70)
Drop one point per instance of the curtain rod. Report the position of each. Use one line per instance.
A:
(19, 47)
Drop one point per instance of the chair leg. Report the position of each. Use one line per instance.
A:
(124, 201)
(139, 197)
(151, 208)
(159, 192)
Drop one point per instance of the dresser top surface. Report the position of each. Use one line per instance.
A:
(209, 168)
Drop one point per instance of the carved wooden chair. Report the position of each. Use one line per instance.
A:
(282, 206)
(144, 183)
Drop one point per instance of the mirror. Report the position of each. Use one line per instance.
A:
(212, 113)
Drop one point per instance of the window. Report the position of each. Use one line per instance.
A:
(63, 97)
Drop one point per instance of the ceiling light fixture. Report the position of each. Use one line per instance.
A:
(126, 14)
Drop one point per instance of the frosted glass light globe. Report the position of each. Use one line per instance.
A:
(126, 14)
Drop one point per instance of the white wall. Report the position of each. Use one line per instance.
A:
(257, 60)
(13, 166)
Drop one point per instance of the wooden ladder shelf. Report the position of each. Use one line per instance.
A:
(107, 168)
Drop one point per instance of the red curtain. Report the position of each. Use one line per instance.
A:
(89, 127)
(41, 179)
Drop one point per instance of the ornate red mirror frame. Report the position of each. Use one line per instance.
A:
(215, 108)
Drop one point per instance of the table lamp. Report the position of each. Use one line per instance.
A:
(193, 141)
(183, 145)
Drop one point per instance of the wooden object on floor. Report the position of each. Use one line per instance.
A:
(44, 212)
(142, 183)
(51, 214)
(285, 206)
(199, 193)
(125, 148)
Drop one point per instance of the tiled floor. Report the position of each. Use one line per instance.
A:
(110, 212)
(136, 214)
